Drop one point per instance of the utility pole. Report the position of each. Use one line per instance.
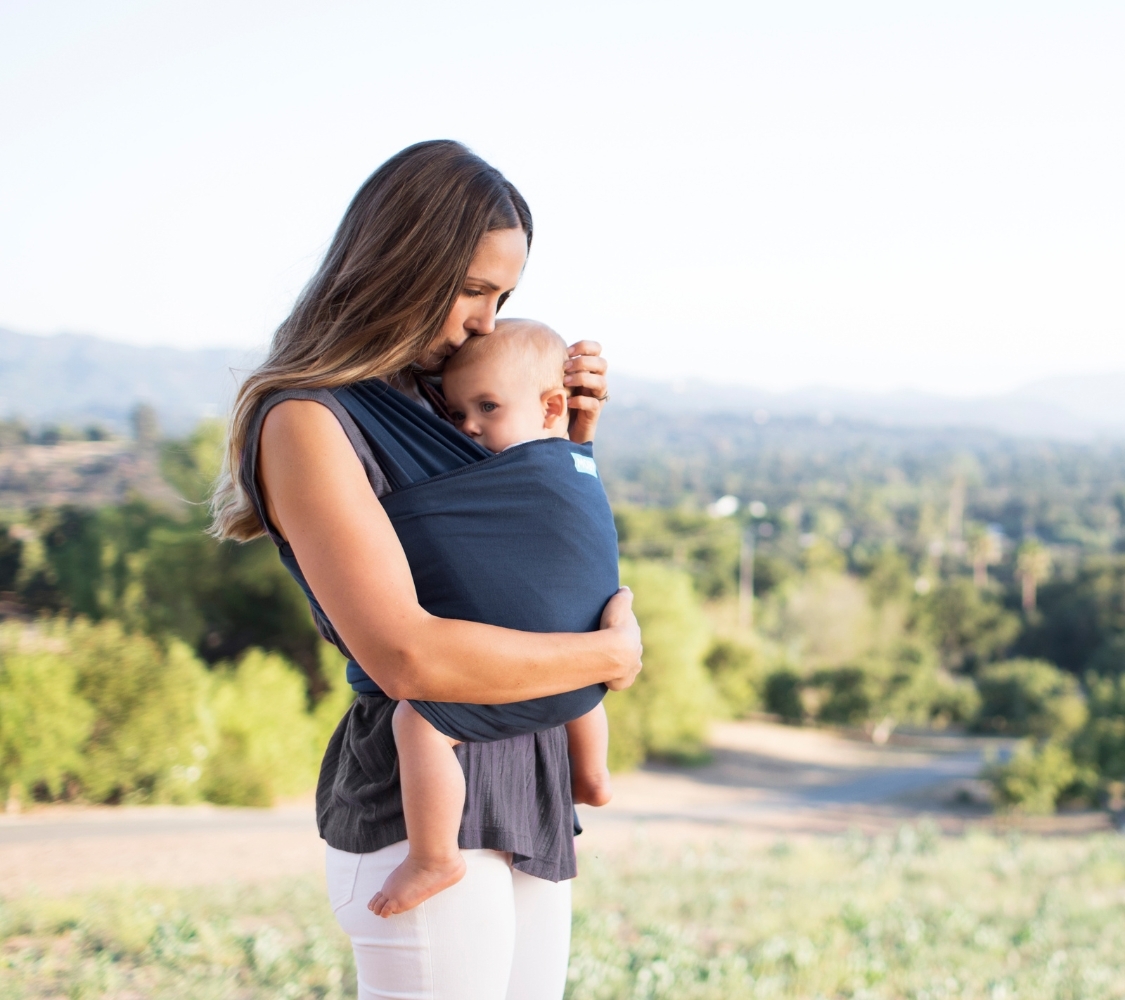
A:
(746, 579)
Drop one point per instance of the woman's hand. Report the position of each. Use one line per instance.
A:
(618, 616)
(585, 377)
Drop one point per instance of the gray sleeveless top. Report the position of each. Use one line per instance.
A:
(517, 790)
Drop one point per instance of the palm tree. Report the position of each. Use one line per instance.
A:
(1033, 566)
(985, 549)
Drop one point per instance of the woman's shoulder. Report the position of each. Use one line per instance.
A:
(326, 398)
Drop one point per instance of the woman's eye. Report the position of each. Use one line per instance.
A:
(471, 293)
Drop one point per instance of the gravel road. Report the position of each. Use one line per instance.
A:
(764, 779)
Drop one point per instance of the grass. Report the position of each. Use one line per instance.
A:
(913, 915)
(279, 941)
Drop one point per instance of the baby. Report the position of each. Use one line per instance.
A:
(502, 390)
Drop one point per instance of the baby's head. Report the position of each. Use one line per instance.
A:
(507, 387)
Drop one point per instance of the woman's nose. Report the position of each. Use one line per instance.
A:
(483, 320)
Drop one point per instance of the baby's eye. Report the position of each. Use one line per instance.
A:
(486, 408)
(457, 416)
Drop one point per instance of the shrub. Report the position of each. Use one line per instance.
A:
(43, 722)
(1029, 697)
(1034, 777)
(95, 712)
(1100, 745)
(146, 740)
(783, 694)
(266, 743)
(738, 674)
(665, 712)
(917, 691)
(848, 695)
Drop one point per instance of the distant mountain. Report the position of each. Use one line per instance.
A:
(1072, 408)
(79, 380)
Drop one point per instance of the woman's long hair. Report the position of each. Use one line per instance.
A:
(379, 299)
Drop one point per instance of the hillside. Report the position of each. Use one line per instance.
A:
(79, 380)
(80, 473)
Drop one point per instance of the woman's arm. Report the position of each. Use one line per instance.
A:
(318, 497)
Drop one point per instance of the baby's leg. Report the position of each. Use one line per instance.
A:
(433, 798)
(589, 745)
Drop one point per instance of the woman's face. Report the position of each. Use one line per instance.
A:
(493, 273)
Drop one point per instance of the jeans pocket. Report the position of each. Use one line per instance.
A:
(341, 871)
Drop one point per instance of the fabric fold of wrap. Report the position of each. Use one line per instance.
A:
(523, 539)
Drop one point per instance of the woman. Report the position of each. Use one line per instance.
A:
(428, 251)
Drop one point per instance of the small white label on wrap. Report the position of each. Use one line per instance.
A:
(585, 464)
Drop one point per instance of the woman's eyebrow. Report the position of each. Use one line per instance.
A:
(483, 281)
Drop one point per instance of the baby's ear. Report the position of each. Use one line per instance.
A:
(554, 408)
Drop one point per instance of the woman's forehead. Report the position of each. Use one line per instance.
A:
(499, 258)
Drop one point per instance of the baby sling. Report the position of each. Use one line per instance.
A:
(523, 539)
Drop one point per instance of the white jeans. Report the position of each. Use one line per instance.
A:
(498, 934)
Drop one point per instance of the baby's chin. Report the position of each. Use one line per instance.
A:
(500, 443)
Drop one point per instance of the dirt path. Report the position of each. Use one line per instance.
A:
(763, 779)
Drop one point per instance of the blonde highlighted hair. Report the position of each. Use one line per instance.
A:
(379, 299)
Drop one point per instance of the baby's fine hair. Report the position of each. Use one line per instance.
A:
(526, 342)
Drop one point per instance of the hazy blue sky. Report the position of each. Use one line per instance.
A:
(860, 194)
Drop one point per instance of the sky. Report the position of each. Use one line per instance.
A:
(872, 196)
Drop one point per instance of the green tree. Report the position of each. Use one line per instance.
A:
(826, 620)
(705, 547)
(968, 626)
(665, 712)
(157, 571)
(1080, 617)
(888, 576)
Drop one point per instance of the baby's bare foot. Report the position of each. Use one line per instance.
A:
(414, 882)
(591, 789)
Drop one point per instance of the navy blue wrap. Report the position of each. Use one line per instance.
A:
(523, 539)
